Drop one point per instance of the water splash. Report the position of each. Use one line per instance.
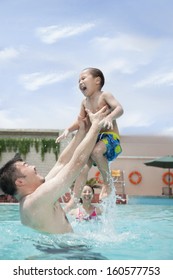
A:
(109, 209)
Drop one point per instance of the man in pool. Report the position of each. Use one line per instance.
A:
(38, 196)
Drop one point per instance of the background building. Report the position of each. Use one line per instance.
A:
(136, 151)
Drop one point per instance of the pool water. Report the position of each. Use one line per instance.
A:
(135, 231)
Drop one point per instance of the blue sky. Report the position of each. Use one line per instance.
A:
(46, 43)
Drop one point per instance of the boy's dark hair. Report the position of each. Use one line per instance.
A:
(95, 72)
(8, 176)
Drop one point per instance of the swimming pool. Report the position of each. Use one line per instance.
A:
(135, 231)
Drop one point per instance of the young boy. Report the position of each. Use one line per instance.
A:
(107, 147)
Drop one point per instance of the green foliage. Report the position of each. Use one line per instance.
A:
(23, 145)
(92, 181)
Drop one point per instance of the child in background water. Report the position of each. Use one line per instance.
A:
(86, 210)
(107, 147)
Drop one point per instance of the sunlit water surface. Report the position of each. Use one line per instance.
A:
(142, 229)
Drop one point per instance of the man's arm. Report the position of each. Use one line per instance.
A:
(81, 116)
(54, 188)
(78, 186)
(67, 153)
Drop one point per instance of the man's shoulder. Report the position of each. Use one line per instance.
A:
(29, 204)
(33, 210)
(26, 204)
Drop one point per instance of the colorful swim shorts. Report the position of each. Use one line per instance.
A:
(112, 143)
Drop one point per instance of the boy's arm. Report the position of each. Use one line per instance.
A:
(116, 109)
(74, 126)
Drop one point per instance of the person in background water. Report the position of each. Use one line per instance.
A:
(107, 146)
(83, 209)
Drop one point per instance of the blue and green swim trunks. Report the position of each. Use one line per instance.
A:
(112, 142)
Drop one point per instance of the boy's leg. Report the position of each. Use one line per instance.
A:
(103, 166)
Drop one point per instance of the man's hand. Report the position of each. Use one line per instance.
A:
(107, 123)
(99, 116)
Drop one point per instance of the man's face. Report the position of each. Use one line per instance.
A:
(29, 173)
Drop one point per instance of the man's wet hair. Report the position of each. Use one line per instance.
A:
(9, 174)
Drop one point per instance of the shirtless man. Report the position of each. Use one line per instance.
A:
(38, 196)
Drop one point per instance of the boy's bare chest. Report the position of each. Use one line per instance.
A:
(94, 105)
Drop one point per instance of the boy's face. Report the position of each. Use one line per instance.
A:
(87, 83)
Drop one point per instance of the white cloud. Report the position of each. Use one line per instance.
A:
(34, 81)
(167, 131)
(122, 65)
(125, 53)
(157, 80)
(53, 33)
(8, 53)
(135, 119)
(10, 122)
(126, 42)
